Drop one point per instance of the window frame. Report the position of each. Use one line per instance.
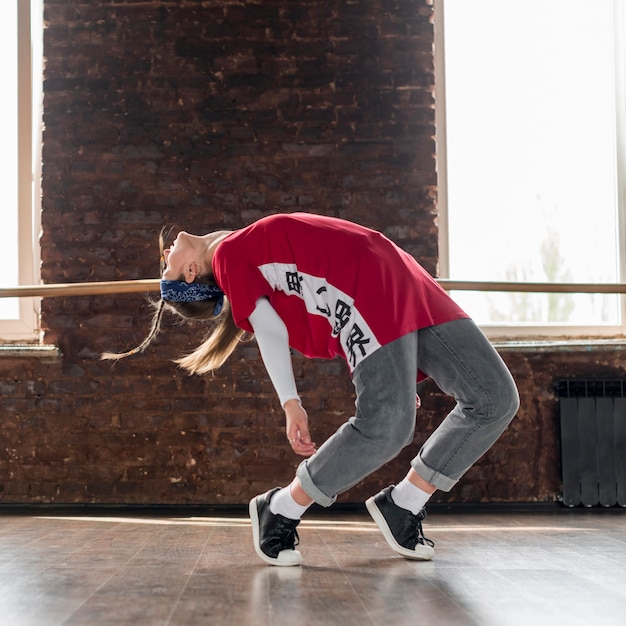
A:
(529, 330)
(26, 327)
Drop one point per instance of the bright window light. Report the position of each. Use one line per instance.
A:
(9, 308)
(530, 94)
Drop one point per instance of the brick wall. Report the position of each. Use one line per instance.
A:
(208, 115)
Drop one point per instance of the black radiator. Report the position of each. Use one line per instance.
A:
(593, 441)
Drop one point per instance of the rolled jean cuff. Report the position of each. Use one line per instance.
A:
(435, 478)
(302, 474)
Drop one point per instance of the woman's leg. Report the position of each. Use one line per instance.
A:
(464, 364)
(384, 423)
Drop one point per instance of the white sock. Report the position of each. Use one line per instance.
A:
(282, 503)
(406, 495)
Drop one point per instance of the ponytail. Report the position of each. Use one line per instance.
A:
(155, 327)
(216, 348)
(212, 353)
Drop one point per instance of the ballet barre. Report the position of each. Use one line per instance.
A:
(531, 287)
(81, 289)
(152, 285)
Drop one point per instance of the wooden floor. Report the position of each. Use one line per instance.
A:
(566, 567)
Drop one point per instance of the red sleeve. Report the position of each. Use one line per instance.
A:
(237, 274)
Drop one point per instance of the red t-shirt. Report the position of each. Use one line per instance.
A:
(340, 288)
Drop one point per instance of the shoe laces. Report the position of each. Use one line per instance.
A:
(285, 532)
(417, 531)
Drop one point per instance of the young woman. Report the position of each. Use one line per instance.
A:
(329, 287)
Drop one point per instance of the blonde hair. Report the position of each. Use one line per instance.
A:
(217, 346)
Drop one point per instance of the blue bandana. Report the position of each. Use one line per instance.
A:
(181, 291)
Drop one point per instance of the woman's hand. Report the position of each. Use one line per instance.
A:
(298, 428)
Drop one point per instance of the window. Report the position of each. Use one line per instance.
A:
(531, 150)
(20, 130)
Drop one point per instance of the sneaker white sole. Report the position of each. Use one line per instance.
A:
(285, 558)
(421, 552)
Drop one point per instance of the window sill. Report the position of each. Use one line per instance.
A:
(29, 351)
(560, 345)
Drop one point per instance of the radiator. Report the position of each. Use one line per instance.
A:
(593, 442)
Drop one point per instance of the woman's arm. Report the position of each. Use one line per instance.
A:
(273, 340)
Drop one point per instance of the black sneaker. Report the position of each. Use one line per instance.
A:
(274, 536)
(401, 529)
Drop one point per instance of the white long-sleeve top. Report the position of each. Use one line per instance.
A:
(273, 341)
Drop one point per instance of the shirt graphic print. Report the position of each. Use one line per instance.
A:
(321, 298)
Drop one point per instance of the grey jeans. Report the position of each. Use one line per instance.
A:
(463, 363)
